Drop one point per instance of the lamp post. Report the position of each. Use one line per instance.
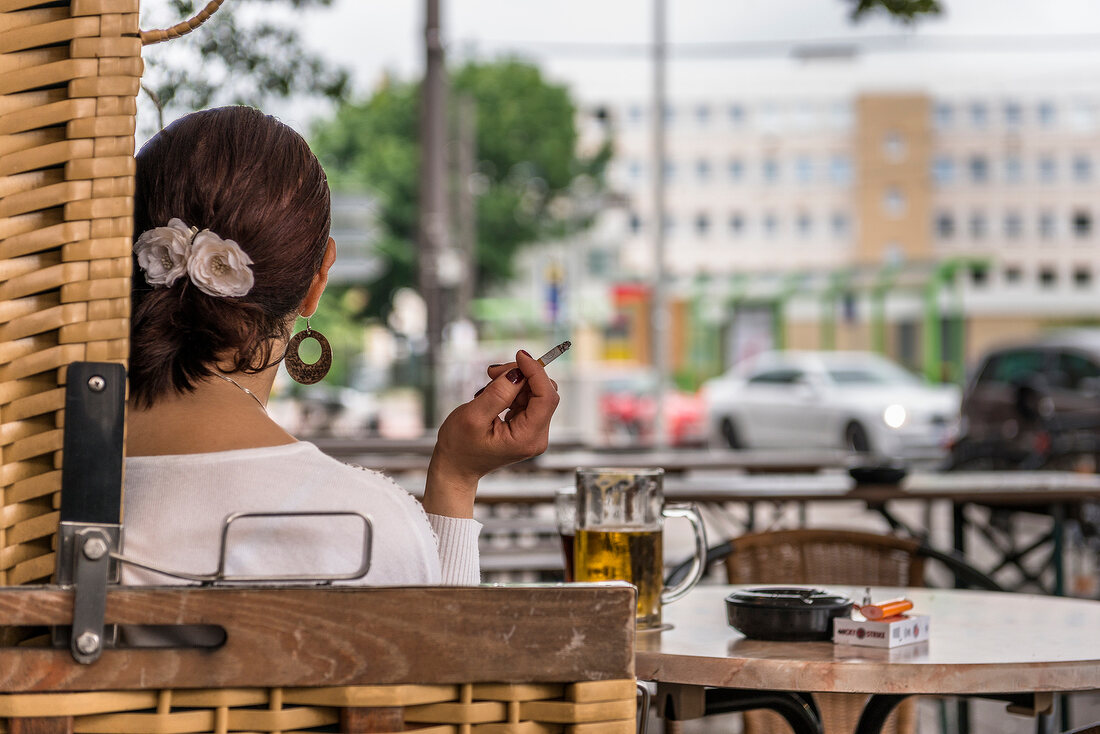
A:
(433, 227)
(658, 319)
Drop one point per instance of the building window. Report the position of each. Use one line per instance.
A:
(771, 170)
(1013, 114)
(1082, 168)
(1048, 276)
(737, 224)
(702, 169)
(943, 115)
(979, 114)
(771, 225)
(803, 169)
(702, 114)
(1046, 114)
(1048, 169)
(840, 224)
(634, 169)
(1082, 116)
(945, 225)
(979, 276)
(893, 201)
(1048, 227)
(670, 114)
(893, 146)
(1082, 276)
(840, 169)
(804, 224)
(1013, 274)
(943, 169)
(670, 170)
(736, 169)
(635, 223)
(635, 114)
(702, 224)
(1014, 169)
(977, 226)
(1014, 226)
(1082, 223)
(737, 114)
(979, 168)
(670, 223)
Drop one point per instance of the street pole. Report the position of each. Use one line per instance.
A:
(659, 309)
(465, 201)
(433, 225)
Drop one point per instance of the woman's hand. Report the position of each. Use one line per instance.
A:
(474, 440)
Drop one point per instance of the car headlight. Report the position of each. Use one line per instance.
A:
(894, 416)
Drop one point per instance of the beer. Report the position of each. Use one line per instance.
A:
(624, 554)
(567, 554)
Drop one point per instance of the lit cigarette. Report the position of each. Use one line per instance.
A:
(555, 353)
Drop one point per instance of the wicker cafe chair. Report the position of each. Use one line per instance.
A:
(440, 660)
(812, 556)
(484, 659)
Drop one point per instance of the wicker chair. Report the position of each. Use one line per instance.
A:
(352, 659)
(360, 659)
(811, 556)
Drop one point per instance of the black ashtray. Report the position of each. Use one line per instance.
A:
(887, 474)
(790, 614)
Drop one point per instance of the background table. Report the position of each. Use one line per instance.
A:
(981, 643)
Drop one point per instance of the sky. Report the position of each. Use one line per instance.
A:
(597, 47)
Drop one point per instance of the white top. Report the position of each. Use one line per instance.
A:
(174, 507)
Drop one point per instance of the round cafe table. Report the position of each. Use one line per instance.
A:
(1017, 647)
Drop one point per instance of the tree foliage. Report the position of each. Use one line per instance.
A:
(526, 155)
(233, 59)
(907, 11)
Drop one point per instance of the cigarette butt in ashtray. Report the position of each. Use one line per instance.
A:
(885, 609)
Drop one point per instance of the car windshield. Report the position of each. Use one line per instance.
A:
(871, 374)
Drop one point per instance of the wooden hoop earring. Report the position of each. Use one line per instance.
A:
(301, 372)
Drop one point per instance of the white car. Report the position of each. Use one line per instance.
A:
(858, 401)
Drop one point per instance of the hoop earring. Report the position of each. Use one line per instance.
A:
(303, 373)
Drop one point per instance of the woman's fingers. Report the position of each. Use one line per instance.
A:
(498, 395)
(531, 426)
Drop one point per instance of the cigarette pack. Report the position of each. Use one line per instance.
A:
(892, 632)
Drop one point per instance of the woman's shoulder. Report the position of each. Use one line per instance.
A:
(299, 465)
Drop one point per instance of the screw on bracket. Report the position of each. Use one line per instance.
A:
(95, 548)
(87, 643)
(96, 383)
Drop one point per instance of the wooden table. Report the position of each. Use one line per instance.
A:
(675, 461)
(1015, 646)
(1033, 566)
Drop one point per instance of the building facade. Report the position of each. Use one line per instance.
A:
(924, 225)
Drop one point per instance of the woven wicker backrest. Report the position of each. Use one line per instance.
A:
(69, 77)
(820, 556)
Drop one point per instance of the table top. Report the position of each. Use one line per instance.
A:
(761, 461)
(1008, 488)
(981, 642)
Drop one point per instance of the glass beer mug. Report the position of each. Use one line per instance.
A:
(620, 514)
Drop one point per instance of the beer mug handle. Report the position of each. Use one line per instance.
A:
(698, 562)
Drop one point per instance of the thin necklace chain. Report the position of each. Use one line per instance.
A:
(241, 387)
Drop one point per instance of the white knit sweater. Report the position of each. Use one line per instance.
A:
(174, 507)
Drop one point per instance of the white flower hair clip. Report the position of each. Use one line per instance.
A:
(217, 267)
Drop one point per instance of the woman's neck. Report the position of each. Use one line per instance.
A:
(217, 416)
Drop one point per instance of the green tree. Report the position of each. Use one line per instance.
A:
(526, 152)
(233, 60)
(907, 11)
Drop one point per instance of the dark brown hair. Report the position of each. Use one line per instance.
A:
(246, 177)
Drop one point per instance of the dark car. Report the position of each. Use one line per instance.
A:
(1033, 405)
